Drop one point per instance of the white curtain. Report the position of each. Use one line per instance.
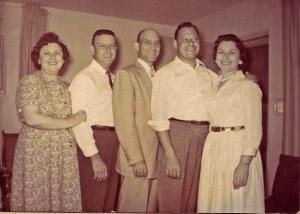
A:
(34, 25)
(291, 77)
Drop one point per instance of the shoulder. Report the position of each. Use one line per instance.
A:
(167, 71)
(31, 79)
(128, 70)
(249, 86)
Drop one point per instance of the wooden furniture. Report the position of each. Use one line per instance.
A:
(286, 188)
(8, 149)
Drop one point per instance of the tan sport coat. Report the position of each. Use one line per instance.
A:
(132, 110)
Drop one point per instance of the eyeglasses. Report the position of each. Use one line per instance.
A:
(107, 47)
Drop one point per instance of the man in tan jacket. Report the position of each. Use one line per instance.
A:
(138, 142)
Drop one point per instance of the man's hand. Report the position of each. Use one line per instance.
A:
(99, 168)
(251, 77)
(173, 169)
(140, 169)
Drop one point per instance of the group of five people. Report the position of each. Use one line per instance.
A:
(148, 127)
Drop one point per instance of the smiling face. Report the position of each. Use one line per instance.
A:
(187, 44)
(227, 57)
(51, 58)
(148, 46)
(104, 50)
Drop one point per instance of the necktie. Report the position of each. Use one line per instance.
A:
(152, 72)
(109, 79)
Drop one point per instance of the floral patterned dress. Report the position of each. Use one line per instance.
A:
(45, 171)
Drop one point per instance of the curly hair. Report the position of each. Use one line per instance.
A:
(239, 44)
(43, 41)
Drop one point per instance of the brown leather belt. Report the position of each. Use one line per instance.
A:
(199, 123)
(104, 128)
(225, 129)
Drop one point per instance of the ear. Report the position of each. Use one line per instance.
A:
(92, 48)
(175, 44)
(240, 62)
(39, 61)
(137, 46)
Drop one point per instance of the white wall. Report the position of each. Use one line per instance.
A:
(246, 18)
(75, 29)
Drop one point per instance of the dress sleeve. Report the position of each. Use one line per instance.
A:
(28, 93)
(251, 96)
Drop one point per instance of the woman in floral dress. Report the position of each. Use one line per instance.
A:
(231, 178)
(45, 171)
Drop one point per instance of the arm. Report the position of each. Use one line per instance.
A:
(80, 89)
(124, 120)
(253, 134)
(161, 87)
(28, 98)
(33, 118)
(173, 168)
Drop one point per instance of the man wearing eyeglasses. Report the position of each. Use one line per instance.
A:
(138, 141)
(179, 97)
(91, 90)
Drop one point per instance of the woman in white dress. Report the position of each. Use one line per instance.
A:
(231, 178)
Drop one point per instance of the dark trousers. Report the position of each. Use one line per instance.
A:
(180, 195)
(100, 196)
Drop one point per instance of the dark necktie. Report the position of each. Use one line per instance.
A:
(109, 79)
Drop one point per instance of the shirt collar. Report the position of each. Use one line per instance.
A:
(235, 77)
(198, 62)
(96, 66)
(144, 64)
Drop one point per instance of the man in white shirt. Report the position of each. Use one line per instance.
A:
(138, 141)
(91, 90)
(179, 97)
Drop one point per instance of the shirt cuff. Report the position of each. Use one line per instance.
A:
(90, 151)
(249, 151)
(159, 125)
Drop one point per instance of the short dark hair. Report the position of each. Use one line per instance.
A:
(183, 25)
(239, 44)
(103, 32)
(44, 40)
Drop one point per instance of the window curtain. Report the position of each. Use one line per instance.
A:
(34, 25)
(291, 77)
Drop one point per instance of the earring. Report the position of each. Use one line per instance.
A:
(240, 62)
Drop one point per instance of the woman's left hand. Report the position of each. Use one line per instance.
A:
(240, 175)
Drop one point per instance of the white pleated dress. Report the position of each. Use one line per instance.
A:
(237, 103)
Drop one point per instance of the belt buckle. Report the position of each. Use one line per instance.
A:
(226, 129)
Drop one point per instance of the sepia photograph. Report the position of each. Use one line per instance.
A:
(150, 106)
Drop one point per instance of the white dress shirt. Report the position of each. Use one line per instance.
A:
(90, 91)
(180, 91)
(149, 69)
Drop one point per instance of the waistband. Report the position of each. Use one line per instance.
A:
(225, 129)
(103, 128)
(194, 122)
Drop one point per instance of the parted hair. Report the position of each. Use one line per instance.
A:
(103, 32)
(44, 40)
